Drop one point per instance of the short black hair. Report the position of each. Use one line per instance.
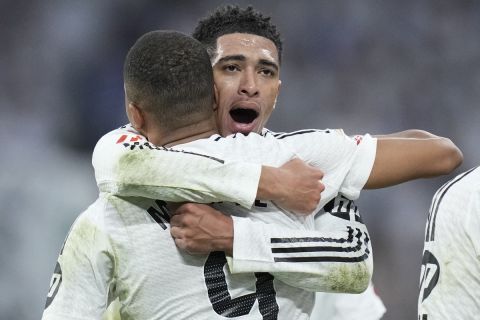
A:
(232, 19)
(169, 74)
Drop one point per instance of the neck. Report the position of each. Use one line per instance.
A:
(200, 130)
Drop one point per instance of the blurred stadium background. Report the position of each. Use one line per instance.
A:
(369, 66)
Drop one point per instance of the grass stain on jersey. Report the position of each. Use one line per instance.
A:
(113, 311)
(133, 175)
(84, 237)
(133, 166)
(350, 279)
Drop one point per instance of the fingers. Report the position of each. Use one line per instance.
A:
(183, 245)
(186, 243)
(177, 232)
(322, 186)
(181, 240)
(317, 173)
(183, 228)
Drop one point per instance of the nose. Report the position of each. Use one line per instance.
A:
(248, 84)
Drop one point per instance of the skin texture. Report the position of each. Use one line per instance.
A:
(246, 74)
(412, 158)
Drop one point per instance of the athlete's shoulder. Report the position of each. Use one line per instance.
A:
(119, 143)
(249, 140)
(303, 132)
(468, 181)
(251, 147)
(125, 135)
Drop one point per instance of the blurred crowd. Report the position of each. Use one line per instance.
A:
(369, 66)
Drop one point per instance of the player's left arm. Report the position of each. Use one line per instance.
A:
(412, 154)
(397, 157)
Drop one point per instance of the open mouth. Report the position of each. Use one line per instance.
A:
(242, 115)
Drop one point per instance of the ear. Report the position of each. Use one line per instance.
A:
(278, 92)
(136, 116)
(215, 97)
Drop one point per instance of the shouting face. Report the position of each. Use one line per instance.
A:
(246, 74)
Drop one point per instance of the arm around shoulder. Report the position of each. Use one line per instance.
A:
(412, 154)
(126, 164)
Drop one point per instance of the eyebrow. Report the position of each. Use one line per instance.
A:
(240, 57)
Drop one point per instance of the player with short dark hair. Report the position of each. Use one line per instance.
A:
(232, 19)
(236, 39)
(184, 90)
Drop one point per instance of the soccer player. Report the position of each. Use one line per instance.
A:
(450, 275)
(120, 247)
(245, 50)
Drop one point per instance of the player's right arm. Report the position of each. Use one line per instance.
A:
(126, 164)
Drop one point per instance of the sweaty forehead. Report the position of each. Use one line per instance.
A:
(252, 47)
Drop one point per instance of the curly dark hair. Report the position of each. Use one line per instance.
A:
(169, 74)
(231, 19)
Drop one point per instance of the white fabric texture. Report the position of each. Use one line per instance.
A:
(450, 274)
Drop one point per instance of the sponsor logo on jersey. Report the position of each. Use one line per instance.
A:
(129, 138)
(358, 139)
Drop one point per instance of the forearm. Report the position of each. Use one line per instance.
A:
(337, 260)
(179, 177)
(400, 159)
(176, 180)
(144, 170)
(411, 133)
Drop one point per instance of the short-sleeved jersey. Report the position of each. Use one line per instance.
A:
(450, 274)
(121, 246)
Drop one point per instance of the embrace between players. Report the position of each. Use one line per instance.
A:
(283, 223)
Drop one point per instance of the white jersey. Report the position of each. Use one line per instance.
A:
(450, 277)
(122, 244)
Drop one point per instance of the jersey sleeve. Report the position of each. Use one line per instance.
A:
(335, 257)
(361, 166)
(126, 164)
(84, 274)
(346, 161)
